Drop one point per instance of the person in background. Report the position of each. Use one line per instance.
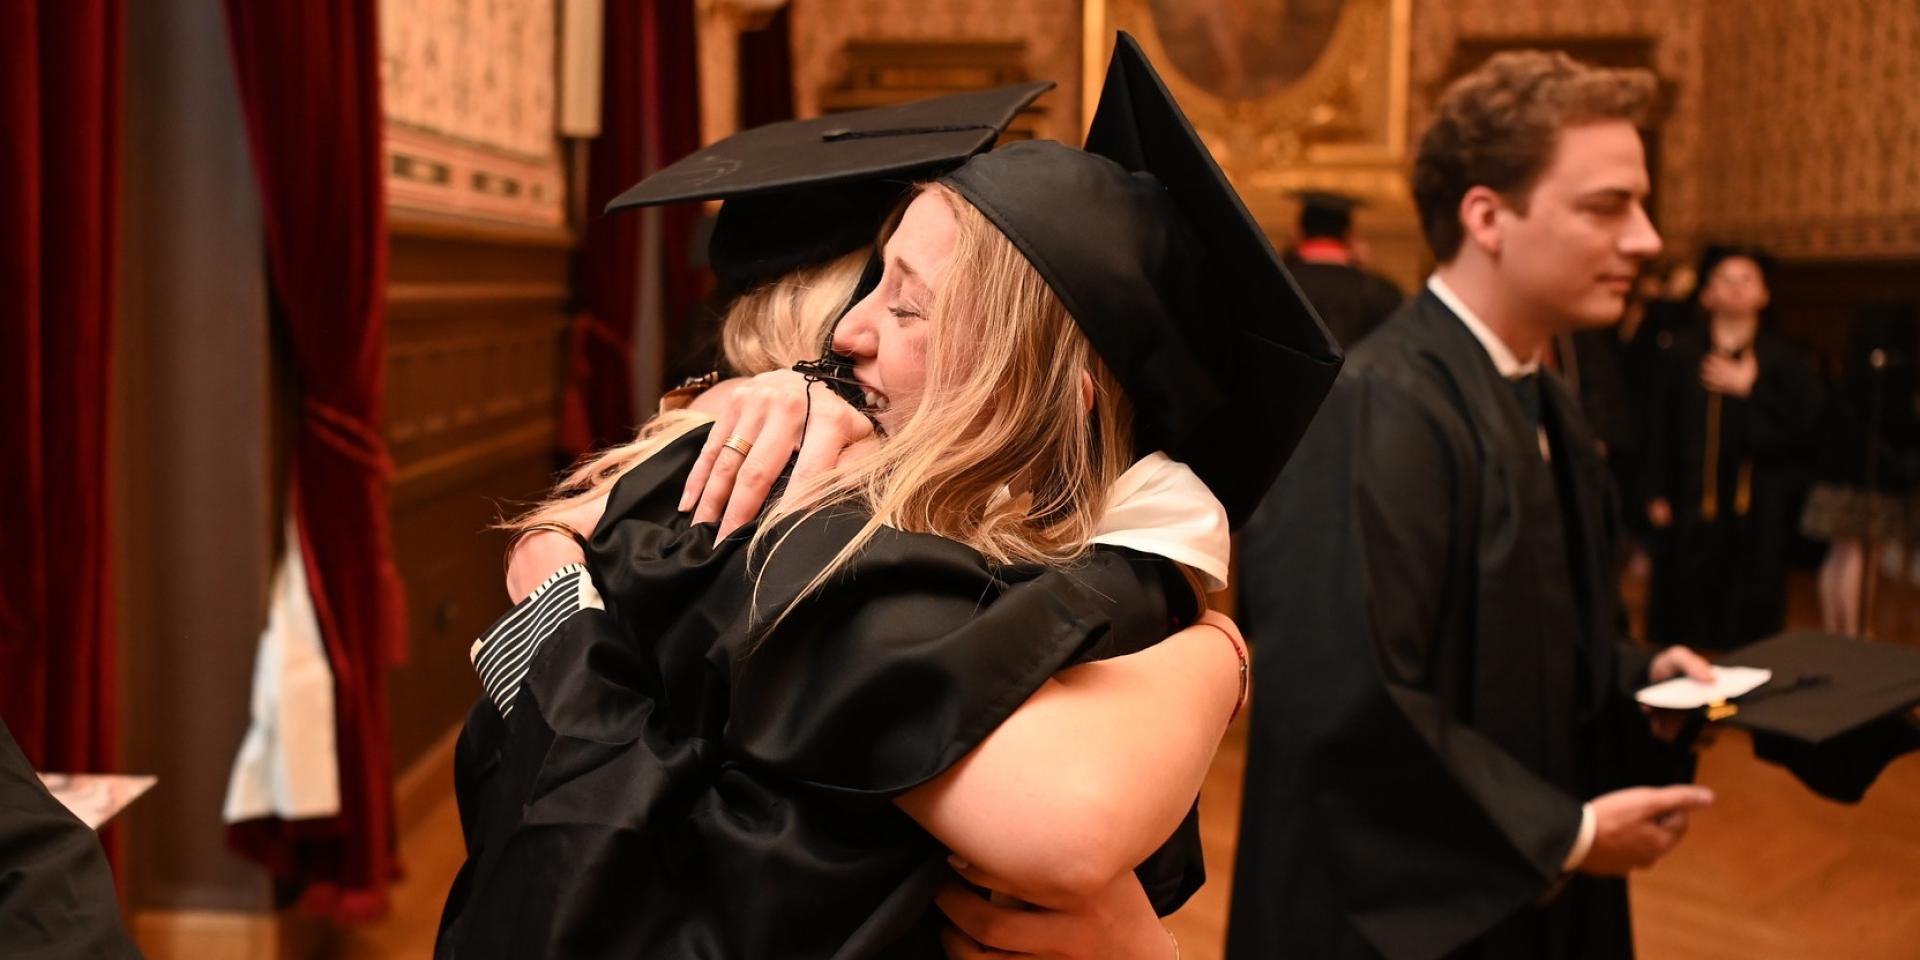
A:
(1445, 758)
(1328, 267)
(1727, 460)
(1867, 465)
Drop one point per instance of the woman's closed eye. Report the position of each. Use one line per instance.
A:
(904, 311)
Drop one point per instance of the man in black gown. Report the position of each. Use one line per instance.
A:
(1350, 299)
(56, 891)
(1444, 751)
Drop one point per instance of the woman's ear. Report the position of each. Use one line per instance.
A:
(1086, 392)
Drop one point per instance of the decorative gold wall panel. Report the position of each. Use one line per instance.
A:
(1811, 126)
(1275, 84)
(1289, 95)
(1050, 29)
(468, 89)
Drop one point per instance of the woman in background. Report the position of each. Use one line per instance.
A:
(1729, 449)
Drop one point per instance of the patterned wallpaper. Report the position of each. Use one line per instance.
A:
(1674, 25)
(1811, 126)
(1051, 29)
(469, 92)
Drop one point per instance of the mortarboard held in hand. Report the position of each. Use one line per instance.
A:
(1835, 710)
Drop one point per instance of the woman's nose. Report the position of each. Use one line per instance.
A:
(855, 333)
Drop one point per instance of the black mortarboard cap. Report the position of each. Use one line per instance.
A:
(1324, 213)
(1836, 711)
(1172, 280)
(1328, 200)
(802, 192)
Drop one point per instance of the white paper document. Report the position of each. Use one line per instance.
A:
(96, 797)
(1686, 693)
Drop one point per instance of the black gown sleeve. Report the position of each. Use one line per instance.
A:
(884, 677)
(1430, 831)
(56, 894)
(1785, 404)
(899, 666)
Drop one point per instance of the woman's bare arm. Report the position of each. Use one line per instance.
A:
(1093, 772)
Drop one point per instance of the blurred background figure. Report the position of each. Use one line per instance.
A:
(1330, 266)
(1614, 372)
(1728, 454)
(1868, 461)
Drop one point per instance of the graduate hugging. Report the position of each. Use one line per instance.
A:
(969, 645)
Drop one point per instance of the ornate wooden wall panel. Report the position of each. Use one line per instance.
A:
(469, 94)
(475, 352)
(1050, 29)
(1811, 122)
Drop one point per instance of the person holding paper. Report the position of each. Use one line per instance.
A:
(56, 890)
(1445, 759)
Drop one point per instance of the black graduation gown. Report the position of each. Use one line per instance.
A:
(669, 783)
(1720, 568)
(56, 894)
(1441, 677)
(1351, 301)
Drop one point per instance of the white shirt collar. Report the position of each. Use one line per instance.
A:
(1510, 366)
(1160, 506)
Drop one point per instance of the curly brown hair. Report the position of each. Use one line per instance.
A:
(1498, 127)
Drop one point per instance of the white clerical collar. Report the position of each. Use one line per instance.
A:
(1160, 507)
(1510, 366)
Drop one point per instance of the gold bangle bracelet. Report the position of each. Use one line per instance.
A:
(541, 526)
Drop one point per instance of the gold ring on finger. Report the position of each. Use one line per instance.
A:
(738, 444)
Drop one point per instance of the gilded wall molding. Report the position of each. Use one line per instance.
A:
(1049, 28)
(471, 106)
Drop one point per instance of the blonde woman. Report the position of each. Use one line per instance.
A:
(820, 708)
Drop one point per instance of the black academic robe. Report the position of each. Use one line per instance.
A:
(680, 776)
(1352, 301)
(1441, 678)
(1734, 471)
(56, 893)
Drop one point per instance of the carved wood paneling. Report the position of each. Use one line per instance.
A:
(1049, 28)
(476, 337)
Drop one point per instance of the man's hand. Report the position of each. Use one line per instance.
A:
(1727, 375)
(1637, 826)
(1668, 724)
(770, 412)
(1116, 924)
(1677, 660)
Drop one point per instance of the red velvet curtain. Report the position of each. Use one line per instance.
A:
(649, 100)
(309, 79)
(60, 63)
(766, 72)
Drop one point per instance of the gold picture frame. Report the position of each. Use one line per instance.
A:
(1289, 95)
(1272, 84)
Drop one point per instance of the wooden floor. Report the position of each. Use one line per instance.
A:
(1771, 872)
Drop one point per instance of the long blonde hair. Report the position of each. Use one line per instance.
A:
(771, 327)
(1001, 455)
(1008, 462)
